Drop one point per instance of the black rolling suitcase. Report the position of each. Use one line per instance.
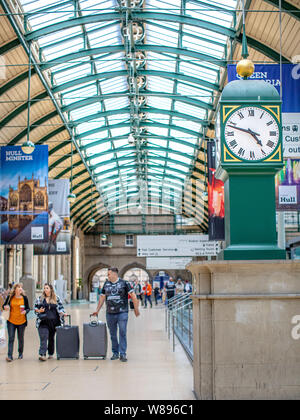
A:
(94, 339)
(67, 341)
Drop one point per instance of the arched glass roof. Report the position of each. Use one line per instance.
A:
(137, 82)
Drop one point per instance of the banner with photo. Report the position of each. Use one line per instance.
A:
(59, 238)
(290, 100)
(23, 195)
(215, 189)
(287, 186)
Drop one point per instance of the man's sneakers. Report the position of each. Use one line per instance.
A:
(123, 358)
(114, 357)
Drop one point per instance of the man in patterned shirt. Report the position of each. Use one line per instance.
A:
(115, 292)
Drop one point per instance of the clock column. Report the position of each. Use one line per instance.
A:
(249, 184)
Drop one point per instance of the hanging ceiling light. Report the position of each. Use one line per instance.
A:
(28, 147)
(131, 139)
(71, 198)
(92, 222)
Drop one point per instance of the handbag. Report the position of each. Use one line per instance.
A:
(6, 314)
(2, 332)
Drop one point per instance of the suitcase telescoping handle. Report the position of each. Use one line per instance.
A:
(69, 321)
(93, 320)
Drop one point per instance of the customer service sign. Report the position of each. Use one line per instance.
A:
(290, 100)
(176, 246)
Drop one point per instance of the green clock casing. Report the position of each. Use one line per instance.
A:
(251, 155)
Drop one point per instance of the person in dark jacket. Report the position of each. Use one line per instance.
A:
(18, 305)
(50, 314)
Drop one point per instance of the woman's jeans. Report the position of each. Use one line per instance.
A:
(46, 340)
(11, 328)
(113, 321)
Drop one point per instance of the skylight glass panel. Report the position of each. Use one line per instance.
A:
(116, 132)
(159, 35)
(157, 143)
(110, 63)
(97, 149)
(190, 110)
(193, 92)
(203, 47)
(206, 33)
(160, 103)
(117, 84)
(159, 84)
(170, 6)
(101, 160)
(92, 125)
(194, 70)
(191, 125)
(161, 62)
(182, 158)
(89, 6)
(116, 103)
(217, 17)
(120, 142)
(60, 14)
(159, 131)
(69, 73)
(105, 36)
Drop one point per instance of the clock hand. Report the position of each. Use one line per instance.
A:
(252, 133)
(255, 136)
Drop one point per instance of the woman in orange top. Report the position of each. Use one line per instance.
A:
(148, 293)
(18, 305)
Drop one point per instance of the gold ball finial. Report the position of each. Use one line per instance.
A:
(245, 68)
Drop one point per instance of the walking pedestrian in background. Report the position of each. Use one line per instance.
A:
(18, 305)
(115, 292)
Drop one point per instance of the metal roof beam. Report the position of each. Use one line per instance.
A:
(136, 16)
(113, 74)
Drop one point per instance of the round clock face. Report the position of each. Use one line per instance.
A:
(251, 133)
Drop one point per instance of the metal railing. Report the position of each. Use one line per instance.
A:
(179, 321)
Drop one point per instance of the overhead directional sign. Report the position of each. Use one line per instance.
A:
(176, 246)
(167, 263)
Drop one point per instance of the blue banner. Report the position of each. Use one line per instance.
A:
(271, 73)
(290, 100)
(23, 195)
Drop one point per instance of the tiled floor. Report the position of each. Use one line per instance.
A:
(153, 371)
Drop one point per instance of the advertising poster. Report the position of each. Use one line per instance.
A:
(287, 186)
(290, 100)
(59, 236)
(215, 189)
(23, 195)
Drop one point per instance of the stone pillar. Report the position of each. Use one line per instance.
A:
(203, 343)
(245, 313)
(57, 266)
(27, 278)
(51, 268)
(11, 276)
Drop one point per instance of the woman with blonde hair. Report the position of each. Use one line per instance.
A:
(18, 305)
(50, 313)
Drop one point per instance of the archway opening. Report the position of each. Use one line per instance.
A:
(138, 274)
(98, 279)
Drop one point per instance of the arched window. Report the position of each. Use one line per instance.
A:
(25, 194)
(39, 199)
(14, 200)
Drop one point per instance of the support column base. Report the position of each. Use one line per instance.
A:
(252, 252)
